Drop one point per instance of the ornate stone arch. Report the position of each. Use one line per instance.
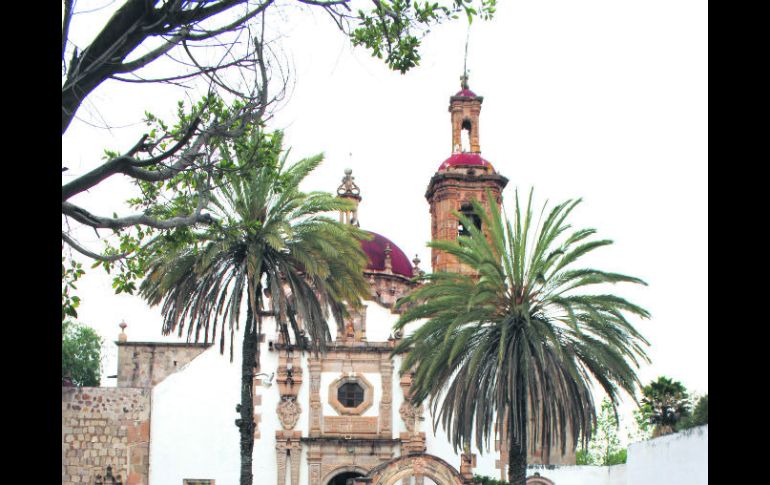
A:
(536, 479)
(347, 468)
(423, 464)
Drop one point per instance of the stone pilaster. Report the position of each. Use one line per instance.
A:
(281, 455)
(386, 411)
(296, 458)
(314, 464)
(315, 397)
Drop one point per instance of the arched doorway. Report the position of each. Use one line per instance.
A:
(342, 477)
(420, 469)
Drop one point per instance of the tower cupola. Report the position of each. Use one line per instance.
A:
(463, 177)
(465, 107)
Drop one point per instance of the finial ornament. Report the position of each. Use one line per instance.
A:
(388, 261)
(122, 337)
(348, 187)
(416, 269)
(464, 77)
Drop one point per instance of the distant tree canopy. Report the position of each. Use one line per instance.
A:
(222, 44)
(80, 355)
(699, 416)
(664, 402)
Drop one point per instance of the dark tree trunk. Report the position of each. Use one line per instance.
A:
(517, 453)
(246, 422)
(517, 461)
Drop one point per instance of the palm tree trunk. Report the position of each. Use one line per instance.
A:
(517, 462)
(246, 423)
(517, 455)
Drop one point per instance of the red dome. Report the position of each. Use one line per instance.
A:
(375, 249)
(465, 159)
(467, 93)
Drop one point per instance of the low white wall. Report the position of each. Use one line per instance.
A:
(675, 459)
(581, 475)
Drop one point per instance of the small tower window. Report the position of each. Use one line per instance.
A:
(350, 394)
(465, 135)
(467, 211)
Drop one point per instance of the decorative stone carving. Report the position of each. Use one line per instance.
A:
(315, 474)
(349, 190)
(409, 415)
(348, 187)
(350, 425)
(289, 411)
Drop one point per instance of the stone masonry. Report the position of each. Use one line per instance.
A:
(144, 364)
(105, 426)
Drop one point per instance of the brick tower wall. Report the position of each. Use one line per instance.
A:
(447, 193)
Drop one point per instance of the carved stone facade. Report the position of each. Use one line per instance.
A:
(413, 440)
(288, 444)
(356, 378)
(350, 441)
(288, 412)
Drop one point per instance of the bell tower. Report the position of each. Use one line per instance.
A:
(461, 178)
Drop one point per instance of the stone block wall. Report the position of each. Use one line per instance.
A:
(144, 364)
(105, 426)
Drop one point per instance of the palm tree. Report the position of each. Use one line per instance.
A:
(517, 340)
(271, 243)
(665, 402)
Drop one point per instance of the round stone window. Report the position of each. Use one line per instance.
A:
(350, 394)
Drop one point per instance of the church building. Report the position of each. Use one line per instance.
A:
(320, 419)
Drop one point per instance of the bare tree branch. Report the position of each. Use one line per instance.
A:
(99, 257)
(65, 29)
(84, 217)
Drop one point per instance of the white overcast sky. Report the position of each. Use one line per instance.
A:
(600, 99)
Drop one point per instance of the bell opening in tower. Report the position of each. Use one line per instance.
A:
(465, 136)
(467, 211)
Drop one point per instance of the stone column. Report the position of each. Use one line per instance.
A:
(386, 412)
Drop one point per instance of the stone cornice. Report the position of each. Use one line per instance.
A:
(460, 180)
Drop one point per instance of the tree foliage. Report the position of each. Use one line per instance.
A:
(699, 416)
(664, 402)
(69, 275)
(270, 250)
(525, 328)
(80, 354)
(605, 446)
(221, 45)
(485, 480)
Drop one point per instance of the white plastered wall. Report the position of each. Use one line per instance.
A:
(192, 429)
